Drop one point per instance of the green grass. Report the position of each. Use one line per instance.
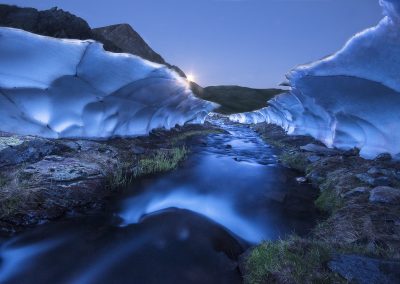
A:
(161, 160)
(119, 176)
(291, 261)
(236, 99)
(329, 201)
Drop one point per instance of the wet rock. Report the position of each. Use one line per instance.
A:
(384, 157)
(385, 194)
(320, 150)
(355, 192)
(365, 270)
(228, 146)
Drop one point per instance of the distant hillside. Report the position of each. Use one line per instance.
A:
(236, 99)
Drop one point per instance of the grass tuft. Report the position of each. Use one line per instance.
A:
(290, 261)
(161, 160)
(329, 201)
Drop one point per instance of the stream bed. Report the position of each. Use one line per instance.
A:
(187, 226)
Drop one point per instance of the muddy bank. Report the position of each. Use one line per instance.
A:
(45, 179)
(358, 240)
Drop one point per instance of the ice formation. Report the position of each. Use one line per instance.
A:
(350, 99)
(71, 88)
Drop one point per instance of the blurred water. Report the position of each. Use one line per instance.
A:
(186, 226)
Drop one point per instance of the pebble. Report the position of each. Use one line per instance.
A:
(301, 179)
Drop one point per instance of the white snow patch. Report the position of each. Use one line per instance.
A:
(349, 99)
(71, 88)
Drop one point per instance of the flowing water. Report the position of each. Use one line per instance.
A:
(186, 226)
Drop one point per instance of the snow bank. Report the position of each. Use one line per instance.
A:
(71, 88)
(350, 99)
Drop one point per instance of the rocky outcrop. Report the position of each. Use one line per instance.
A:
(53, 22)
(128, 41)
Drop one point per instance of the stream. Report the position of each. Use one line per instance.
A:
(187, 226)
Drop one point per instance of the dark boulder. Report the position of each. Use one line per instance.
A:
(384, 157)
(365, 270)
(385, 194)
(28, 151)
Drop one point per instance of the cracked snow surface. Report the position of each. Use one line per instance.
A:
(71, 88)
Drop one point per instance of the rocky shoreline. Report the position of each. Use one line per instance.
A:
(358, 240)
(46, 179)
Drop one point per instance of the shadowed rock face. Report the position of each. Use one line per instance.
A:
(129, 41)
(54, 23)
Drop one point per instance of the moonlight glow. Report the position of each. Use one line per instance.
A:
(190, 77)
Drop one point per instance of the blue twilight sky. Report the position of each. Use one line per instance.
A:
(245, 42)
